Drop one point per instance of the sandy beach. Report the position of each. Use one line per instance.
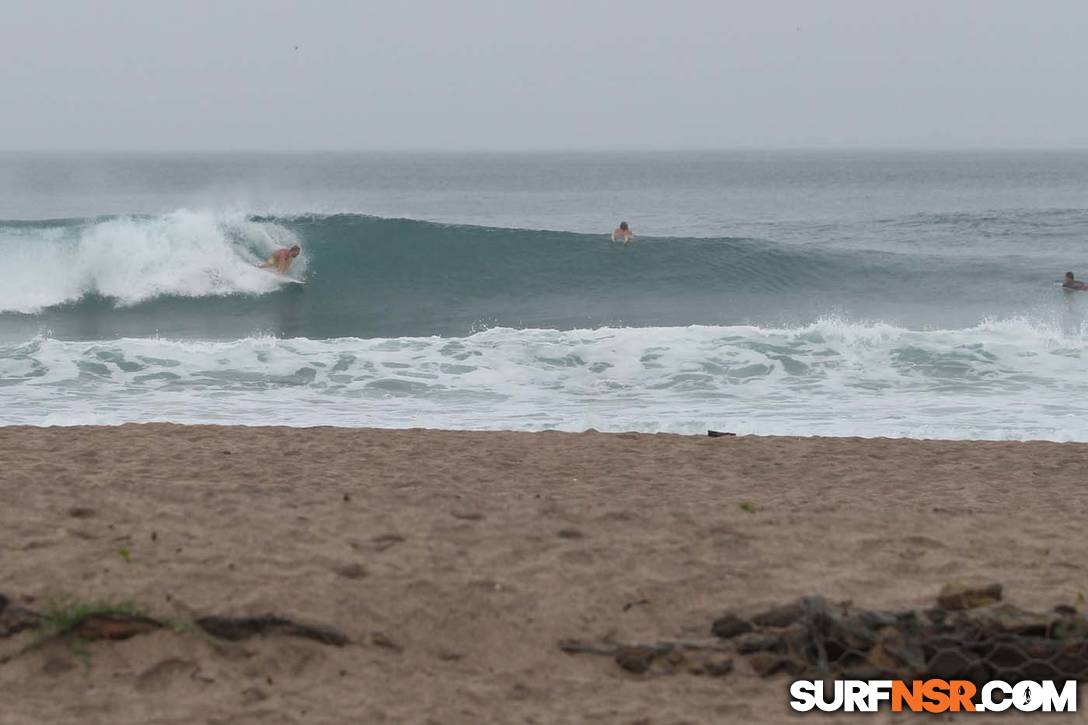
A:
(456, 562)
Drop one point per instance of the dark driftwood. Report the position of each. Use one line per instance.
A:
(122, 625)
(238, 628)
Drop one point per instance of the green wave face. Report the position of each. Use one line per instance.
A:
(193, 274)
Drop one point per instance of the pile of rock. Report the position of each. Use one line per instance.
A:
(971, 634)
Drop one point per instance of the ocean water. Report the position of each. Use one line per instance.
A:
(819, 293)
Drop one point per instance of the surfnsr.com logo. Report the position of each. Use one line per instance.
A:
(933, 696)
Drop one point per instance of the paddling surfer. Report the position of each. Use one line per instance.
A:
(1071, 283)
(622, 232)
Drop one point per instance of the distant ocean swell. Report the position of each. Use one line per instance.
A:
(1010, 379)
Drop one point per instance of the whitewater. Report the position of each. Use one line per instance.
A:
(131, 260)
(880, 296)
(997, 381)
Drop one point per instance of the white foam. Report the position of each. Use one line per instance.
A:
(132, 259)
(1003, 379)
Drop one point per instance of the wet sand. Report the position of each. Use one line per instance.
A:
(457, 561)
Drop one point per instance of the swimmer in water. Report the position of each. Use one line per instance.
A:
(281, 259)
(622, 232)
(1071, 283)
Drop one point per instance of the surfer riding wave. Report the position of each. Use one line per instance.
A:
(281, 259)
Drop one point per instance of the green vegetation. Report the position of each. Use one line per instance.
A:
(63, 616)
(748, 506)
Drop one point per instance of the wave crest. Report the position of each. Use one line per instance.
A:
(133, 259)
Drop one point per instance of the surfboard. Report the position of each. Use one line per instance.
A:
(277, 275)
(282, 277)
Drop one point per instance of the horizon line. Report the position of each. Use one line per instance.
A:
(557, 150)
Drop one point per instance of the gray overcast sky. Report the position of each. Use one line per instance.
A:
(591, 74)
